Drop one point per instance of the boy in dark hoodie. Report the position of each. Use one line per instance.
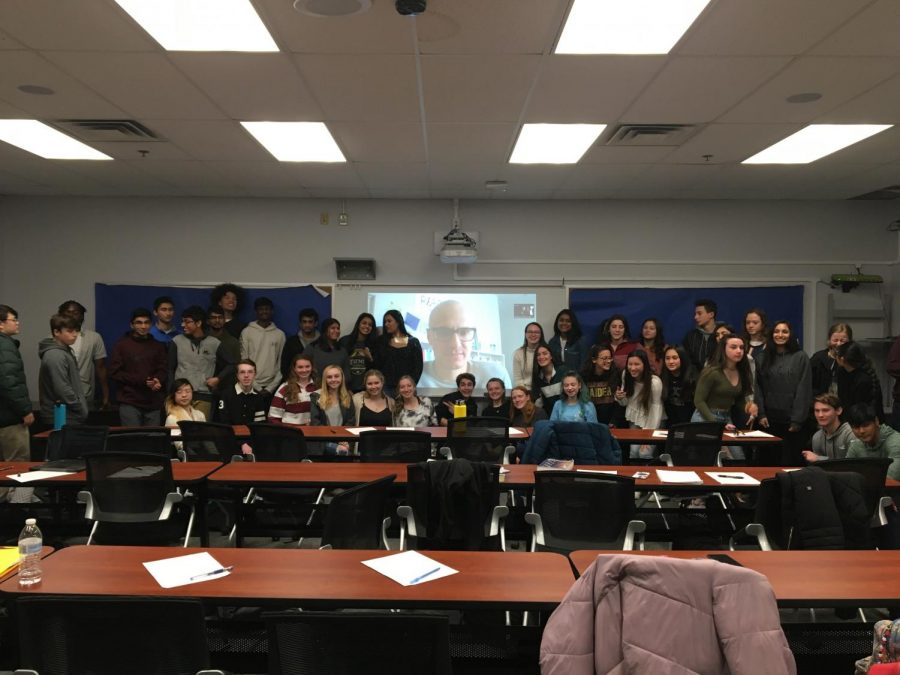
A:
(138, 365)
(59, 380)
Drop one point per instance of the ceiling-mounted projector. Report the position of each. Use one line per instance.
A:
(458, 247)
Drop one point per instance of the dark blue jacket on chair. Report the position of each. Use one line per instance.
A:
(585, 442)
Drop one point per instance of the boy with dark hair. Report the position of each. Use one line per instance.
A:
(262, 341)
(90, 354)
(59, 380)
(15, 405)
(163, 330)
(873, 439)
(306, 335)
(138, 365)
(229, 297)
(465, 385)
(243, 403)
(199, 358)
(215, 326)
(833, 438)
(700, 342)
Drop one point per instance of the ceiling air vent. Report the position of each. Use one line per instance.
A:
(106, 131)
(651, 134)
(889, 192)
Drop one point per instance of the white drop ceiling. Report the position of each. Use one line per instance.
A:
(431, 106)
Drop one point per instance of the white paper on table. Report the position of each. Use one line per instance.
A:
(513, 431)
(756, 433)
(409, 568)
(732, 477)
(660, 433)
(356, 431)
(686, 477)
(396, 429)
(28, 476)
(612, 472)
(503, 469)
(186, 569)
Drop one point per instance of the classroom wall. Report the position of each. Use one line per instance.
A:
(55, 248)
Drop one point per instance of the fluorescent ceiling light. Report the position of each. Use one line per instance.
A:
(44, 141)
(202, 25)
(627, 26)
(814, 142)
(554, 143)
(296, 141)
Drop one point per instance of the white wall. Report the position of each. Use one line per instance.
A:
(52, 249)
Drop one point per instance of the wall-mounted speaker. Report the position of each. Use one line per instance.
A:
(355, 269)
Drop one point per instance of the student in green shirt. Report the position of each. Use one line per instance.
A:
(873, 439)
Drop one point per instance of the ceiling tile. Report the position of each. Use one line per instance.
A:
(382, 176)
(729, 143)
(72, 98)
(873, 32)
(598, 89)
(379, 141)
(320, 175)
(190, 177)
(837, 79)
(601, 177)
(699, 89)
(765, 27)
(141, 152)
(478, 143)
(248, 87)
(445, 175)
(6, 42)
(210, 140)
(374, 88)
(142, 85)
(81, 25)
(613, 154)
(490, 88)
(879, 105)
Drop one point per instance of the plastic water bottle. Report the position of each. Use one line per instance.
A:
(30, 543)
(59, 415)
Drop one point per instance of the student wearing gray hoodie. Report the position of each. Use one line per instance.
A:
(59, 380)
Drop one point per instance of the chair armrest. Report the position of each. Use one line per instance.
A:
(497, 525)
(326, 547)
(445, 451)
(880, 518)
(27, 671)
(181, 454)
(385, 524)
(754, 531)
(634, 533)
(172, 499)
(508, 453)
(667, 458)
(407, 524)
(238, 458)
(537, 530)
(721, 456)
(86, 498)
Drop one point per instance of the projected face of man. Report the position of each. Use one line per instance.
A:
(451, 333)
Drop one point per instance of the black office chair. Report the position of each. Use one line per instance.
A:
(347, 643)
(67, 447)
(874, 472)
(356, 518)
(453, 505)
(478, 439)
(576, 510)
(277, 443)
(394, 446)
(75, 635)
(156, 440)
(694, 444)
(209, 442)
(131, 499)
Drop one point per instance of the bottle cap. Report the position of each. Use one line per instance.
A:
(31, 521)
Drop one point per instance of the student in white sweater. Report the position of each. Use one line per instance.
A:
(523, 357)
(262, 342)
(641, 394)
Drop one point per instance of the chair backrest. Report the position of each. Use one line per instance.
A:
(73, 635)
(156, 440)
(75, 441)
(346, 643)
(583, 510)
(394, 446)
(452, 501)
(128, 487)
(694, 443)
(873, 471)
(277, 443)
(478, 439)
(209, 441)
(355, 516)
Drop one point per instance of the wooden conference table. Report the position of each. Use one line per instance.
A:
(185, 474)
(312, 578)
(805, 578)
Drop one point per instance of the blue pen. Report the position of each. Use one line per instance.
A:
(422, 576)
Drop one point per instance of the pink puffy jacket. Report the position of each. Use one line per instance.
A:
(643, 614)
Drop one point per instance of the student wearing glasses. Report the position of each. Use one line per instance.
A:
(452, 335)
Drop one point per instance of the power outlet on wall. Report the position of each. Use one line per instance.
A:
(323, 218)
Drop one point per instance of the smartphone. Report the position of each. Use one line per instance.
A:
(723, 558)
(641, 474)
